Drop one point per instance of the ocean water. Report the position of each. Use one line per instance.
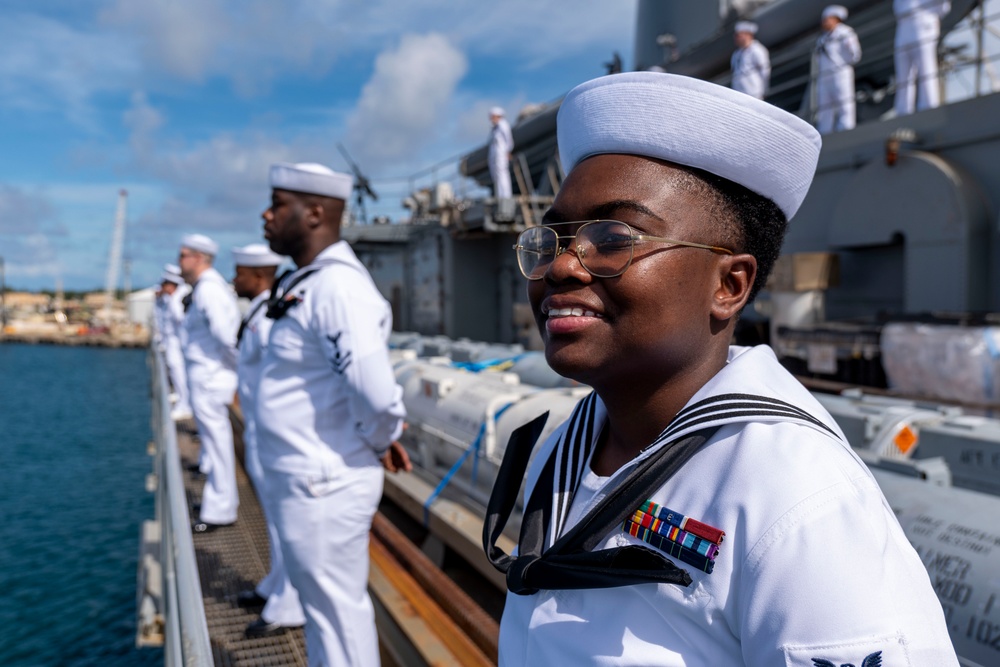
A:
(74, 423)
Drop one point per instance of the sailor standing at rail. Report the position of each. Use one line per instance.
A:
(170, 315)
(208, 337)
(700, 508)
(837, 52)
(256, 266)
(918, 28)
(501, 145)
(328, 409)
(751, 63)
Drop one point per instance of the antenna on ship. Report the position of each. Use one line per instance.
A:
(362, 186)
(115, 256)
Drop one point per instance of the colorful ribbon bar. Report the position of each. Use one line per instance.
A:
(670, 548)
(675, 534)
(703, 530)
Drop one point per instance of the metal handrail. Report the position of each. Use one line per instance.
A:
(186, 627)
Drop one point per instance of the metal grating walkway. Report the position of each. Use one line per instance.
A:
(230, 560)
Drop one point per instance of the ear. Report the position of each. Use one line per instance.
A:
(313, 213)
(736, 277)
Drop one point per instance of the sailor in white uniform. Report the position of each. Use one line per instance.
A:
(328, 408)
(918, 27)
(169, 316)
(700, 508)
(208, 337)
(501, 145)
(837, 52)
(256, 266)
(751, 63)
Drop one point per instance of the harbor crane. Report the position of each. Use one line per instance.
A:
(115, 256)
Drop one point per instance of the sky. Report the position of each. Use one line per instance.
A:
(185, 104)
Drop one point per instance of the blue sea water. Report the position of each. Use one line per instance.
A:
(74, 423)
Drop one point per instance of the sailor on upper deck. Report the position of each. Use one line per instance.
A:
(918, 28)
(837, 52)
(751, 63)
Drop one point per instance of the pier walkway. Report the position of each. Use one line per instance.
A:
(423, 616)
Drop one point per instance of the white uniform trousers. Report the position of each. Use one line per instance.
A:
(211, 394)
(324, 524)
(178, 373)
(835, 106)
(283, 606)
(917, 76)
(500, 173)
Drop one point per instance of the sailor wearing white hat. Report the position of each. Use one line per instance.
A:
(918, 28)
(256, 266)
(328, 408)
(700, 507)
(208, 338)
(751, 63)
(501, 145)
(169, 316)
(837, 52)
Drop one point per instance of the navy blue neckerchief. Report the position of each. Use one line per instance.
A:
(571, 563)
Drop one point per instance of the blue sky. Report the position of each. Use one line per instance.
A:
(185, 103)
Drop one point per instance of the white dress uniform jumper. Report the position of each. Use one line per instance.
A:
(918, 27)
(327, 408)
(283, 606)
(208, 337)
(748, 533)
(792, 555)
(501, 144)
(837, 51)
(751, 70)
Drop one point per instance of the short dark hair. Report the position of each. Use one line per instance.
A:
(752, 223)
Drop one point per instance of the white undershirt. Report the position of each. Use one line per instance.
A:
(585, 493)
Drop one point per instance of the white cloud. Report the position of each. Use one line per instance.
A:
(250, 42)
(403, 105)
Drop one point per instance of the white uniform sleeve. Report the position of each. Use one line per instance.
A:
(850, 48)
(763, 61)
(508, 136)
(835, 580)
(352, 334)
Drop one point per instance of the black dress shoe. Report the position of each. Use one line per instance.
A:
(261, 628)
(205, 527)
(249, 598)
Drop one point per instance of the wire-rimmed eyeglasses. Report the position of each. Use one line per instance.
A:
(604, 247)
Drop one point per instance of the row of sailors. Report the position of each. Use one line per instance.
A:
(321, 406)
(837, 51)
(684, 441)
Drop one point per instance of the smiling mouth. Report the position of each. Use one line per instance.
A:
(554, 313)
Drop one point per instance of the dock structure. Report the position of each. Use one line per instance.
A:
(187, 598)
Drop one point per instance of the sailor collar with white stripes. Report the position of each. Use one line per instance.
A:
(575, 447)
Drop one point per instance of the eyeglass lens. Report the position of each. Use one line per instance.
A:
(604, 248)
